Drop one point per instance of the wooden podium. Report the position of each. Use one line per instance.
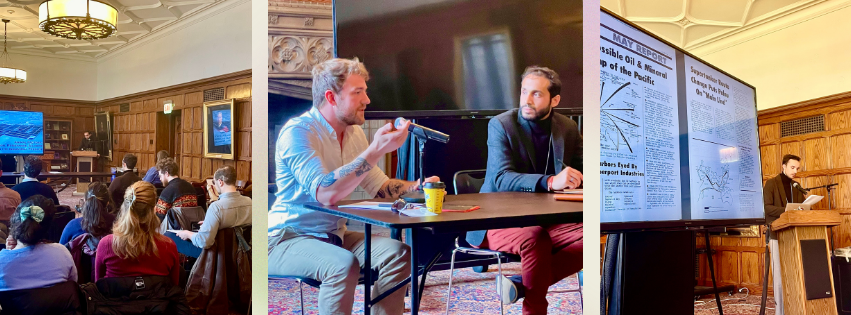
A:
(805, 261)
(85, 163)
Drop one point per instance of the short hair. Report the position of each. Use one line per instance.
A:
(788, 157)
(227, 174)
(168, 165)
(88, 132)
(1, 165)
(29, 231)
(547, 73)
(130, 159)
(162, 154)
(331, 74)
(32, 166)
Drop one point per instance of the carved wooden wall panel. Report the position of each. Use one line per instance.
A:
(137, 129)
(300, 35)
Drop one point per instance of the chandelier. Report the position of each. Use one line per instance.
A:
(77, 19)
(9, 75)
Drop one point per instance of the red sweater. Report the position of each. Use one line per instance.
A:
(108, 264)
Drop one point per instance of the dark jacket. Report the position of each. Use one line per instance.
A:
(511, 155)
(120, 185)
(134, 295)
(83, 249)
(221, 277)
(31, 188)
(62, 298)
(88, 144)
(774, 195)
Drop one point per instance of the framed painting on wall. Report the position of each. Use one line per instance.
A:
(103, 133)
(218, 129)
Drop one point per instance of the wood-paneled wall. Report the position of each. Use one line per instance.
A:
(79, 112)
(136, 131)
(826, 158)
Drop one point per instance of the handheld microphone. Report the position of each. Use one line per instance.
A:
(423, 133)
(804, 191)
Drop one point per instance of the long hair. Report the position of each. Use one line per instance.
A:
(135, 231)
(98, 203)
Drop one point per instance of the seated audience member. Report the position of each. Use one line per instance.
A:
(322, 156)
(152, 176)
(9, 200)
(29, 261)
(548, 253)
(135, 247)
(98, 214)
(30, 186)
(120, 183)
(177, 192)
(232, 209)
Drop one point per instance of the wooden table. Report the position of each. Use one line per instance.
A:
(498, 211)
(67, 176)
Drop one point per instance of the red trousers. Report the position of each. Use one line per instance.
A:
(548, 254)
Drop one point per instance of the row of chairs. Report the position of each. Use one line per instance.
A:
(464, 182)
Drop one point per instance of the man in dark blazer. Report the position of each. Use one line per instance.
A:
(779, 191)
(533, 149)
(120, 184)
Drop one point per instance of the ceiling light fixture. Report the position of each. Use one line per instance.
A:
(7, 74)
(78, 19)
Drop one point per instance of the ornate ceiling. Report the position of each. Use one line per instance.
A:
(137, 19)
(709, 25)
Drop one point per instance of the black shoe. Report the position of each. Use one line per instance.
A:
(511, 289)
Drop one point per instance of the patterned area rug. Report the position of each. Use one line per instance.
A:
(472, 293)
(737, 304)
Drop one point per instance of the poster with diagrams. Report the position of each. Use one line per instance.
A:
(639, 126)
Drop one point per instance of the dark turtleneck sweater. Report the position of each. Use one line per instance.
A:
(540, 132)
(787, 186)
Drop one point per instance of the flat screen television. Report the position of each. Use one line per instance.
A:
(679, 144)
(21, 133)
(431, 58)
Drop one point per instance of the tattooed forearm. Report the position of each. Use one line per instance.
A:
(359, 166)
(328, 180)
(393, 189)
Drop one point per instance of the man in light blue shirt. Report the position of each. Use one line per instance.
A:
(322, 156)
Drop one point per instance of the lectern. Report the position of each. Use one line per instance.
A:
(85, 163)
(805, 261)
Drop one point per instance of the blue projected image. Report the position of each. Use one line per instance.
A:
(21, 132)
(221, 127)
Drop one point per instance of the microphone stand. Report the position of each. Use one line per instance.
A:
(418, 196)
(829, 187)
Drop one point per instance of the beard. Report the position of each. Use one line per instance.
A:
(350, 119)
(537, 115)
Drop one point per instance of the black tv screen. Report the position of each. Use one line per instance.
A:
(679, 145)
(458, 57)
(21, 133)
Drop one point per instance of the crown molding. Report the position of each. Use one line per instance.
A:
(773, 23)
(824, 101)
(44, 100)
(75, 57)
(169, 28)
(244, 74)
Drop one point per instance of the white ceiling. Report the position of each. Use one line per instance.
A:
(700, 24)
(137, 19)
